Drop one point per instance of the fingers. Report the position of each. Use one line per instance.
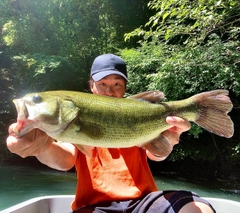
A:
(11, 128)
(180, 125)
(18, 146)
(30, 144)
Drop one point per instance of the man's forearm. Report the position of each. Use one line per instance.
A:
(60, 156)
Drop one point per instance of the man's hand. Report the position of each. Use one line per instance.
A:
(30, 144)
(179, 125)
(171, 136)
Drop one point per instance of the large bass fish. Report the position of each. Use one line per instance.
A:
(101, 121)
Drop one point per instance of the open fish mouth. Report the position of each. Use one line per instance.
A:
(23, 122)
(21, 109)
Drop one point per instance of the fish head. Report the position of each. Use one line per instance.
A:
(47, 112)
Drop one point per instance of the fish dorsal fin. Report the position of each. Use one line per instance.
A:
(153, 96)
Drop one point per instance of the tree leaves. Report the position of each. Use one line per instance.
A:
(188, 19)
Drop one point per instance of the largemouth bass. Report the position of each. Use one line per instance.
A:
(101, 121)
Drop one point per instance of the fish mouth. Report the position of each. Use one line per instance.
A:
(23, 123)
(21, 109)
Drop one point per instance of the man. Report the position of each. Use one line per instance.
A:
(111, 179)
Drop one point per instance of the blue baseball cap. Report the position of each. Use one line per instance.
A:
(108, 64)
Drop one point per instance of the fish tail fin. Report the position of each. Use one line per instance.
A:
(160, 146)
(213, 108)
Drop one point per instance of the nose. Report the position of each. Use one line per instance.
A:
(110, 92)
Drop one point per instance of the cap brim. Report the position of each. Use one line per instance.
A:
(103, 74)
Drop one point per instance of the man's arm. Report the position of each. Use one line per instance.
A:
(60, 156)
(37, 143)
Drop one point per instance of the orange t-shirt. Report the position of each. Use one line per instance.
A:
(112, 175)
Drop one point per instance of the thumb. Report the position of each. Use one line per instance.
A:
(11, 129)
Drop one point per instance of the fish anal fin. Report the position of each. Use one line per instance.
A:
(151, 96)
(159, 146)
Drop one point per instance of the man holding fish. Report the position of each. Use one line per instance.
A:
(112, 179)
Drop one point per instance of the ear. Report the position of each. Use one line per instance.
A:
(91, 84)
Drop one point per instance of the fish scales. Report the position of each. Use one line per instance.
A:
(119, 122)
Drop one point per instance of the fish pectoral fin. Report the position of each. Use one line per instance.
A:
(68, 111)
(150, 96)
(92, 130)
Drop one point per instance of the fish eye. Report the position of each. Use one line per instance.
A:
(37, 99)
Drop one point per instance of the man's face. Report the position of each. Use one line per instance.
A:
(111, 85)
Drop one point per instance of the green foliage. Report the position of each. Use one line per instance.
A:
(75, 30)
(190, 70)
(51, 27)
(69, 28)
(183, 71)
(190, 22)
(139, 69)
(40, 72)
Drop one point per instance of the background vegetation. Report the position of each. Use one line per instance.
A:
(179, 47)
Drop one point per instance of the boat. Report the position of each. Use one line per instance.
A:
(61, 204)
